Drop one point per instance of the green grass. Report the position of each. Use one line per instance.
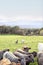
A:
(8, 41)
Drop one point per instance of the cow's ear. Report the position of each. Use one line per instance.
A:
(29, 48)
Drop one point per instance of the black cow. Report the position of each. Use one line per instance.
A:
(16, 42)
(25, 59)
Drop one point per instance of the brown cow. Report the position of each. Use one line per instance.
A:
(5, 62)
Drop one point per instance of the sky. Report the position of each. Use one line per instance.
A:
(21, 12)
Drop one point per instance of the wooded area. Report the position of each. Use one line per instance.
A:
(20, 31)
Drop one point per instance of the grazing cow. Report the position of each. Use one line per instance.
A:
(22, 40)
(25, 48)
(2, 52)
(40, 54)
(34, 53)
(40, 46)
(16, 41)
(11, 57)
(40, 58)
(25, 59)
(23, 52)
(5, 61)
(21, 56)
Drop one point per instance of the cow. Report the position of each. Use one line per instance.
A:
(34, 53)
(2, 52)
(5, 61)
(25, 48)
(16, 41)
(11, 57)
(40, 46)
(40, 58)
(25, 59)
(22, 40)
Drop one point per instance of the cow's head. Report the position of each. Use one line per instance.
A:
(34, 53)
(5, 50)
(26, 49)
(30, 59)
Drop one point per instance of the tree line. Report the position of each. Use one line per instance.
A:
(19, 31)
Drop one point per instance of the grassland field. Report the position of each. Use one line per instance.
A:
(8, 41)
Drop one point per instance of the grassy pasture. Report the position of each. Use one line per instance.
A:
(8, 41)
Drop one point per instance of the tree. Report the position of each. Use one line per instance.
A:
(41, 32)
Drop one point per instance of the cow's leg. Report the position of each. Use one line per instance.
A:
(23, 62)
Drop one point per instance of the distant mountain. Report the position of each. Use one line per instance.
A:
(24, 24)
(30, 26)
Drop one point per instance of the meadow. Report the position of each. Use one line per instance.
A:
(8, 41)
